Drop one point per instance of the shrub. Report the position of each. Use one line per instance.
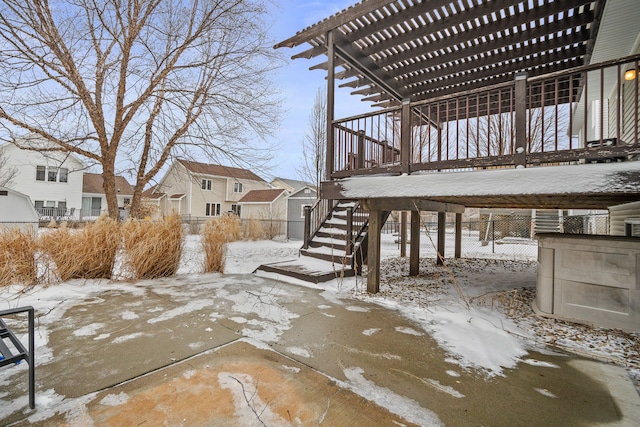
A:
(215, 235)
(87, 253)
(153, 249)
(17, 257)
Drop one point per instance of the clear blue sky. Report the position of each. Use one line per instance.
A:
(298, 84)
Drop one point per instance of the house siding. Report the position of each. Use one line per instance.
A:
(295, 213)
(25, 182)
(179, 180)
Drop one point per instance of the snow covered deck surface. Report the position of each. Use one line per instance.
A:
(588, 186)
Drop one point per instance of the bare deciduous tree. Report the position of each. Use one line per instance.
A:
(131, 83)
(7, 172)
(314, 142)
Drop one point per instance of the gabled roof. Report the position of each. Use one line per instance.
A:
(392, 50)
(92, 183)
(218, 170)
(300, 191)
(262, 196)
(150, 193)
(293, 183)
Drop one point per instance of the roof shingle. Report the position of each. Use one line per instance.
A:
(262, 196)
(219, 170)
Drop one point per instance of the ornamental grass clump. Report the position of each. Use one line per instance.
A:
(18, 257)
(215, 236)
(87, 253)
(153, 249)
(255, 230)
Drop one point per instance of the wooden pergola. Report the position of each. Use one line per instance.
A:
(396, 52)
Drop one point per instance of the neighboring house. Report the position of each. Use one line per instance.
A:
(52, 180)
(94, 200)
(291, 185)
(16, 210)
(269, 206)
(203, 190)
(301, 194)
(264, 204)
(156, 200)
(296, 202)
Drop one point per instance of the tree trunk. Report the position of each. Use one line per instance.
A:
(136, 202)
(109, 187)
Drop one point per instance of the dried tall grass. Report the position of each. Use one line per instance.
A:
(87, 253)
(216, 234)
(18, 257)
(153, 249)
(254, 230)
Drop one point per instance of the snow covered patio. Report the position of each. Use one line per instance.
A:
(236, 349)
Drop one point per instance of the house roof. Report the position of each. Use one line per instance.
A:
(293, 183)
(219, 170)
(392, 50)
(92, 183)
(150, 193)
(262, 196)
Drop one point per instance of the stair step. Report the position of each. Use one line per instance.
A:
(305, 269)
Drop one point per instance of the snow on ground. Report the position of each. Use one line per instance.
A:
(486, 325)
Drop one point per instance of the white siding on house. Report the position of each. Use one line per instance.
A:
(50, 193)
(16, 210)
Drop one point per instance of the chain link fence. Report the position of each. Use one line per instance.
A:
(490, 236)
(506, 236)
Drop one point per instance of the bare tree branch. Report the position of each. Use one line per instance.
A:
(314, 142)
(131, 84)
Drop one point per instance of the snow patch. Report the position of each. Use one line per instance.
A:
(302, 352)
(408, 331)
(402, 406)
(114, 399)
(540, 363)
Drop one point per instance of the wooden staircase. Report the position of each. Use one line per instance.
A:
(335, 247)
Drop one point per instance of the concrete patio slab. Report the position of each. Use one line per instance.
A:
(180, 351)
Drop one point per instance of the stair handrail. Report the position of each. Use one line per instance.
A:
(314, 217)
(355, 215)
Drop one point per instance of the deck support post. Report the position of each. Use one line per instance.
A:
(414, 254)
(373, 255)
(442, 219)
(331, 84)
(405, 137)
(403, 234)
(458, 248)
(521, 119)
(348, 244)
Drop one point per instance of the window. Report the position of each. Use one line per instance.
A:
(40, 173)
(206, 184)
(52, 174)
(235, 209)
(39, 204)
(64, 173)
(307, 191)
(126, 201)
(62, 205)
(212, 209)
(237, 187)
(302, 213)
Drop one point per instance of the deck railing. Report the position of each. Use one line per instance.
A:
(589, 113)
